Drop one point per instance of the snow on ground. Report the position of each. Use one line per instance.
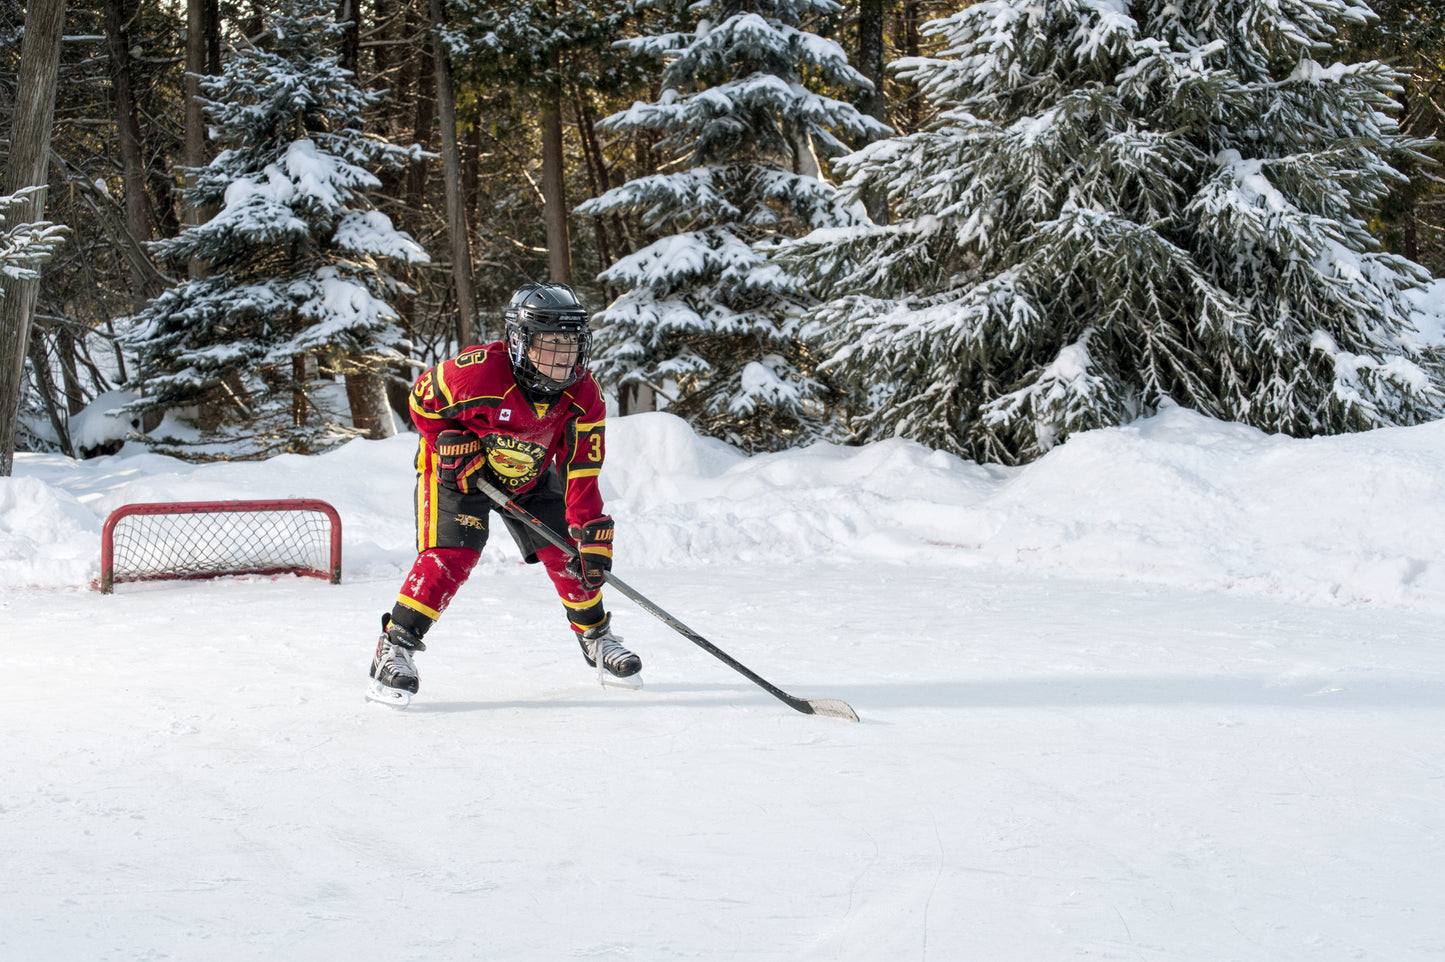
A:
(1174, 692)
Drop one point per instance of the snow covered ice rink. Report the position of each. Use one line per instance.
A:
(1174, 692)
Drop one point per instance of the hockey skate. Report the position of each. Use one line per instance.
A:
(616, 666)
(394, 678)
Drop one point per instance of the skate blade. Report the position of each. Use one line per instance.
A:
(627, 683)
(394, 697)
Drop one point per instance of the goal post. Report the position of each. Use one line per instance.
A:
(212, 539)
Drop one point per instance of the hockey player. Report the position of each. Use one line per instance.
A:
(525, 414)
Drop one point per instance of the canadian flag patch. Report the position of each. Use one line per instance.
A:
(505, 414)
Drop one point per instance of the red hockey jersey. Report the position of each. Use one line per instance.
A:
(475, 392)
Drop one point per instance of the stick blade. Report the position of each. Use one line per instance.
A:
(831, 708)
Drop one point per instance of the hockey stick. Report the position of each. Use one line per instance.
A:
(830, 707)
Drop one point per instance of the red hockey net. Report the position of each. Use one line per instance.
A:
(210, 539)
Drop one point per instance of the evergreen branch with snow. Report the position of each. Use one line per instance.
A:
(1120, 205)
(295, 259)
(706, 315)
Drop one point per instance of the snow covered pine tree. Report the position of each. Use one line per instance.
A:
(706, 311)
(1123, 203)
(293, 258)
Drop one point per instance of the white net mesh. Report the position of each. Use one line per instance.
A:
(185, 542)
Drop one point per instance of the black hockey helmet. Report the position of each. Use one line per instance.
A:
(546, 323)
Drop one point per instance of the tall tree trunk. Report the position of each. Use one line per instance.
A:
(133, 174)
(643, 143)
(348, 12)
(472, 173)
(27, 167)
(202, 56)
(415, 104)
(596, 177)
(554, 183)
(873, 103)
(213, 36)
(452, 179)
(910, 112)
(195, 145)
(370, 411)
(45, 385)
(380, 53)
(300, 405)
(65, 350)
(423, 119)
(601, 179)
(365, 391)
(554, 189)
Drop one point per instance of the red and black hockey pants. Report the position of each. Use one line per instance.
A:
(452, 529)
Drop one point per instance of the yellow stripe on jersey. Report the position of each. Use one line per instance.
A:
(584, 426)
(418, 409)
(419, 509)
(454, 409)
(583, 472)
(442, 386)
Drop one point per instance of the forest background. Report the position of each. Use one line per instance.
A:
(506, 118)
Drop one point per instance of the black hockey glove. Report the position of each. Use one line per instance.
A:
(594, 551)
(461, 460)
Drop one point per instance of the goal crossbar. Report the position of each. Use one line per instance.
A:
(212, 539)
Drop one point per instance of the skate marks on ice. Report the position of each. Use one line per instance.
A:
(1040, 760)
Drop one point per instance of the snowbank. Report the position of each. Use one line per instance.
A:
(1175, 499)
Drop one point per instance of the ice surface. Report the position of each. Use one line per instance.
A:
(1173, 692)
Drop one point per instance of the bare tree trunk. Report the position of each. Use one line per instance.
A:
(133, 174)
(415, 104)
(27, 167)
(554, 191)
(643, 143)
(213, 36)
(370, 411)
(636, 399)
(65, 351)
(910, 113)
(554, 174)
(299, 403)
(40, 364)
(365, 392)
(472, 173)
(601, 181)
(423, 119)
(874, 103)
(596, 176)
(202, 48)
(195, 145)
(452, 182)
(349, 13)
(380, 55)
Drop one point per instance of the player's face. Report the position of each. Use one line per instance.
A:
(555, 355)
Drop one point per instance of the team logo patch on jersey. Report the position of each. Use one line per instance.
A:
(514, 461)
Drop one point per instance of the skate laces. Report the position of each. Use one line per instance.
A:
(397, 655)
(607, 650)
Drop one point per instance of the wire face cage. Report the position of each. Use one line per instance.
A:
(213, 539)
